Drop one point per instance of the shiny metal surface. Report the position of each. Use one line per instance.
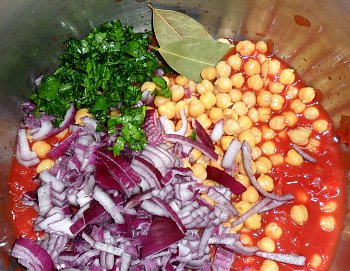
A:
(32, 33)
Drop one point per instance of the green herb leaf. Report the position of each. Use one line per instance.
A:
(189, 56)
(170, 26)
(164, 91)
(193, 135)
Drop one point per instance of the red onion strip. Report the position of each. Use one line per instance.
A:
(284, 258)
(218, 131)
(169, 130)
(306, 156)
(230, 154)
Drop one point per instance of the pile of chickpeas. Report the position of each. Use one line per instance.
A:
(259, 101)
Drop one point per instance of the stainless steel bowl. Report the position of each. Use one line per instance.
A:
(32, 33)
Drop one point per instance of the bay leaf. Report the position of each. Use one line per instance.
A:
(189, 56)
(170, 26)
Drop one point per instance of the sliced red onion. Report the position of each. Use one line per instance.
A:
(150, 168)
(63, 146)
(44, 131)
(244, 250)
(56, 184)
(305, 155)
(204, 241)
(283, 258)
(188, 93)
(24, 155)
(45, 199)
(231, 153)
(154, 208)
(202, 135)
(272, 205)
(168, 129)
(147, 97)
(218, 131)
(158, 72)
(223, 259)
(187, 141)
(153, 128)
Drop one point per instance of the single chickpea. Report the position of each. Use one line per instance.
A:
(249, 98)
(273, 231)
(239, 157)
(299, 135)
(223, 84)
(229, 113)
(186, 163)
(306, 94)
(209, 73)
(216, 114)
(320, 125)
(253, 114)
(245, 48)
(177, 92)
(267, 244)
(45, 164)
(291, 118)
(199, 171)
(222, 69)
(208, 99)
(291, 93)
(209, 86)
(248, 136)
(179, 106)
(287, 76)
(327, 223)
(311, 113)
(195, 154)
(276, 87)
(196, 108)
(200, 88)
(276, 159)
(266, 182)
(223, 100)
(251, 67)
(218, 150)
(267, 133)
(225, 142)
(269, 265)
(293, 158)
(167, 110)
(181, 80)
(329, 207)
(255, 82)
(263, 165)
(264, 114)
(236, 95)
(256, 152)
(41, 148)
(245, 239)
(313, 145)
(231, 127)
(297, 106)
(204, 120)
(251, 195)
(257, 134)
(253, 222)
(240, 108)
(277, 102)
(62, 134)
(235, 62)
(261, 58)
(264, 98)
(268, 147)
(237, 80)
(159, 101)
(299, 214)
(261, 46)
(277, 123)
(81, 113)
(274, 67)
(316, 261)
(150, 86)
(245, 123)
(243, 179)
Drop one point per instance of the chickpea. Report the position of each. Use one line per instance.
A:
(277, 102)
(150, 86)
(237, 80)
(177, 92)
(264, 98)
(223, 100)
(204, 120)
(261, 58)
(306, 94)
(245, 239)
(255, 82)
(179, 106)
(181, 80)
(249, 98)
(329, 207)
(297, 106)
(299, 135)
(256, 152)
(261, 46)
(167, 110)
(293, 158)
(236, 95)
(277, 123)
(276, 87)
(217, 163)
(251, 67)
(287, 76)
(209, 86)
(196, 108)
(251, 195)
(268, 147)
(245, 48)
(263, 165)
(195, 154)
(209, 73)
(316, 261)
(45, 164)
(41, 148)
(235, 62)
(81, 113)
(264, 114)
(291, 92)
(243, 179)
(253, 114)
(320, 125)
(208, 99)
(291, 118)
(327, 223)
(266, 244)
(231, 127)
(274, 67)
(229, 113)
(265, 68)
(159, 101)
(266, 182)
(245, 123)
(62, 134)
(240, 108)
(313, 145)
(276, 159)
(267, 133)
(269, 265)
(224, 84)
(242, 207)
(216, 114)
(199, 171)
(299, 214)
(239, 157)
(273, 231)
(186, 163)
(200, 88)
(311, 113)
(223, 69)
(203, 160)
(257, 134)
(253, 222)
(225, 142)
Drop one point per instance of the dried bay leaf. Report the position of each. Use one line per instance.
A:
(189, 56)
(170, 26)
